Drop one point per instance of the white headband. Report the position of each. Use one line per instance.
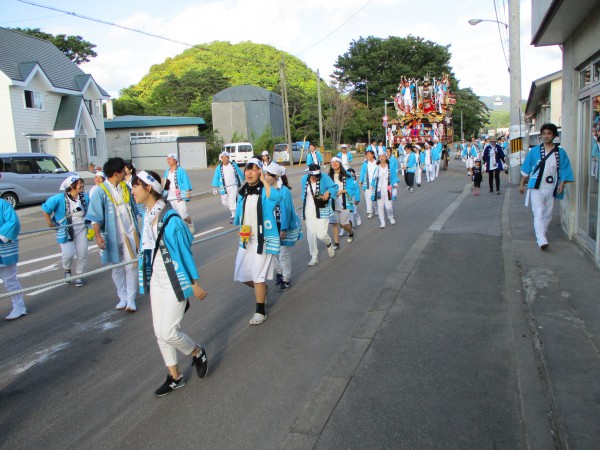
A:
(335, 158)
(314, 172)
(150, 181)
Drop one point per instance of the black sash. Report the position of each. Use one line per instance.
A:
(254, 190)
(542, 164)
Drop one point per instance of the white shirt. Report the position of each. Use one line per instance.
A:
(122, 210)
(371, 167)
(339, 202)
(344, 159)
(76, 216)
(309, 207)
(382, 184)
(172, 194)
(229, 174)
(550, 170)
(250, 216)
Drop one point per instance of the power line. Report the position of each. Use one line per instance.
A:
(501, 38)
(333, 31)
(34, 18)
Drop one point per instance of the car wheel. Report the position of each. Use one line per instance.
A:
(11, 198)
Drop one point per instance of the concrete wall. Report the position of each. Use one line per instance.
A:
(7, 130)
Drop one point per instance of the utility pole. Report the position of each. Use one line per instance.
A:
(320, 111)
(462, 133)
(286, 111)
(516, 141)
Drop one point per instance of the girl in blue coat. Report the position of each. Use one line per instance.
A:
(288, 224)
(67, 211)
(168, 270)
(314, 156)
(259, 237)
(348, 195)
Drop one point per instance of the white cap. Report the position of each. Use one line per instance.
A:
(69, 181)
(173, 155)
(264, 153)
(274, 169)
(256, 162)
(100, 174)
(336, 159)
(224, 153)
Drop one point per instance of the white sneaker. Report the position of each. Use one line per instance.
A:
(392, 221)
(192, 228)
(342, 232)
(350, 238)
(121, 305)
(313, 262)
(331, 250)
(131, 306)
(369, 216)
(257, 319)
(16, 313)
(382, 226)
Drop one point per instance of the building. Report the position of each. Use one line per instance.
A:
(146, 140)
(576, 28)
(246, 112)
(544, 103)
(47, 103)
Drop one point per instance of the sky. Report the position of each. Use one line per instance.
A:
(315, 31)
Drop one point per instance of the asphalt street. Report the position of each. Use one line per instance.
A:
(411, 337)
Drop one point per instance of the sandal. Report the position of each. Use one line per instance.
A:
(257, 319)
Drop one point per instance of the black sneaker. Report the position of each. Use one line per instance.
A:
(284, 286)
(278, 279)
(169, 386)
(201, 362)
(336, 246)
(68, 275)
(231, 219)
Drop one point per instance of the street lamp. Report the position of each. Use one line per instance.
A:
(514, 56)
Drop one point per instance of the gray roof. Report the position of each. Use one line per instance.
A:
(68, 111)
(246, 93)
(19, 53)
(150, 121)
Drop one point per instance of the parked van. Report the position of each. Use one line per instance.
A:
(281, 155)
(30, 177)
(240, 152)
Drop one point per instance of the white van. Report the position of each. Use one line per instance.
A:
(240, 152)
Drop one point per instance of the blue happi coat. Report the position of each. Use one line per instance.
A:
(178, 239)
(183, 182)
(9, 232)
(326, 185)
(219, 180)
(102, 212)
(56, 207)
(310, 160)
(269, 225)
(530, 168)
(288, 219)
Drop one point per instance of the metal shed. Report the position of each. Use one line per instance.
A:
(247, 110)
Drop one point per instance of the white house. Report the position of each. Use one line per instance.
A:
(48, 104)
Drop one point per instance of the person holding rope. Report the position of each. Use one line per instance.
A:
(228, 178)
(168, 271)
(9, 257)
(66, 211)
(113, 214)
(180, 190)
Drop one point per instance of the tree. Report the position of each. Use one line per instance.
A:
(340, 108)
(377, 64)
(475, 114)
(74, 47)
(125, 106)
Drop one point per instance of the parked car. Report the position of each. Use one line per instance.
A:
(240, 152)
(30, 177)
(281, 155)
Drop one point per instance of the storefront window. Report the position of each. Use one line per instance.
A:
(596, 71)
(585, 77)
(590, 129)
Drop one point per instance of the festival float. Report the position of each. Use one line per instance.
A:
(423, 111)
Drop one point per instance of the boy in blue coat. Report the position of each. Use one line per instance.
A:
(227, 180)
(180, 190)
(546, 170)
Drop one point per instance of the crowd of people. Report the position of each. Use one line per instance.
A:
(141, 217)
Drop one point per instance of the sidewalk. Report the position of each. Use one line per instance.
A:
(479, 337)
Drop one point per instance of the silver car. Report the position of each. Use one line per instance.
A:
(30, 177)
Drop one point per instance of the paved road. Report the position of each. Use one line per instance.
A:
(401, 341)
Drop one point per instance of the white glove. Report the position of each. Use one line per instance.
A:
(214, 191)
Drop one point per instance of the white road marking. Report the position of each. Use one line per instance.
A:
(40, 357)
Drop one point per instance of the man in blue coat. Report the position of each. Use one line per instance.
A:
(546, 170)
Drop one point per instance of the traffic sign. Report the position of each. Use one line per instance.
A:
(384, 118)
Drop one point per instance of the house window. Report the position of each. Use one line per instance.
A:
(37, 145)
(147, 137)
(94, 107)
(34, 100)
(596, 71)
(93, 147)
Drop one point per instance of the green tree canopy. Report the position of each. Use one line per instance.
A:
(75, 48)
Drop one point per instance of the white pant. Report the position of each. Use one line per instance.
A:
(436, 166)
(542, 202)
(371, 204)
(382, 203)
(229, 200)
(77, 247)
(316, 229)
(283, 263)
(430, 172)
(180, 207)
(418, 173)
(9, 277)
(167, 313)
(126, 280)
(469, 162)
